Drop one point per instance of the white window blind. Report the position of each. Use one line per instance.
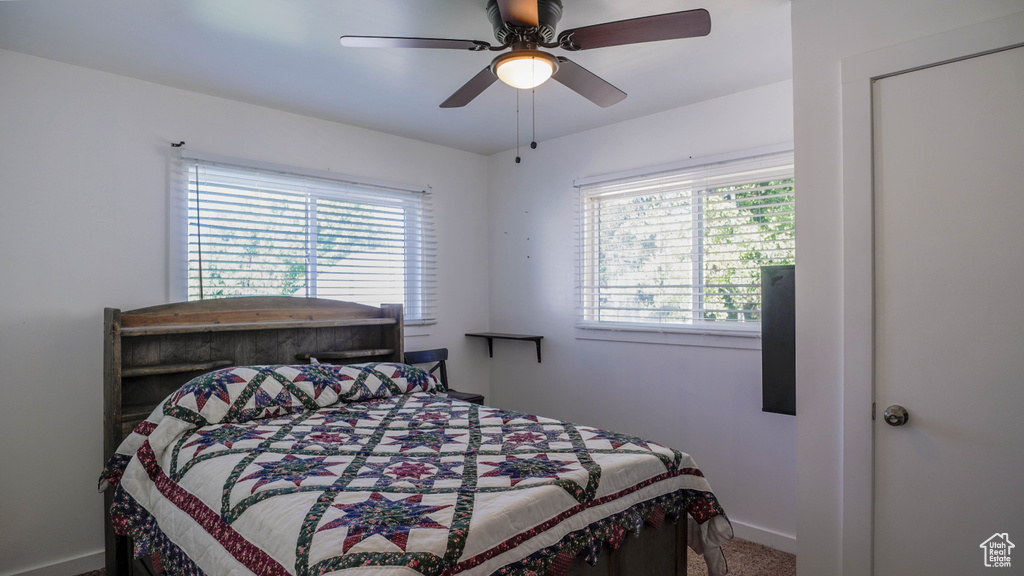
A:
(261, 232)
(683, 249)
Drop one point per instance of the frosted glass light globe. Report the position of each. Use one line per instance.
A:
(525, 70)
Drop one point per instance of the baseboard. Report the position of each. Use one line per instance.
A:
(769, 538)
(86, 563)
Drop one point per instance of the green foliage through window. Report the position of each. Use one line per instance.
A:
(685, 247)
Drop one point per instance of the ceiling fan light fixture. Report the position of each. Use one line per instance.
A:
(524, 69)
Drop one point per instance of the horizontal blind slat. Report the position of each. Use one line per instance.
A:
(269, 232)
(684, 247)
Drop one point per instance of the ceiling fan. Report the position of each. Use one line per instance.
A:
(525, 26)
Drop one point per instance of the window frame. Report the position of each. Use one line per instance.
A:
(702, 333)
(421, 282)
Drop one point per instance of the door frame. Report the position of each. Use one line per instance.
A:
(858, 75)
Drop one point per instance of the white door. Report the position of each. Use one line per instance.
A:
(949, 316)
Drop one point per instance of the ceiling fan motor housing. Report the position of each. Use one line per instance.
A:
(549, 12)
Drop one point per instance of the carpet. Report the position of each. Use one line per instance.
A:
(746, 558)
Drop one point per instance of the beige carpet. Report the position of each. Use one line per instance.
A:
(747, 559)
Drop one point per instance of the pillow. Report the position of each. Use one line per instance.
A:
(383, 379)
(244, 393)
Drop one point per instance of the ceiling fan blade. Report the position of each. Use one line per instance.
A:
(587, 84)
(519, 12)
(470, 90)
(686, 24)
(400, 42)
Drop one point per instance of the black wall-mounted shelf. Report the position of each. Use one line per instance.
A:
(490, 336)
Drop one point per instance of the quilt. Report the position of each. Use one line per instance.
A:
(368, 471)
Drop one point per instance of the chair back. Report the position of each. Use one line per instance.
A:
(437, 355)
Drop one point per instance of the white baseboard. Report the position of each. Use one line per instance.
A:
(769, 538)
(69, 567)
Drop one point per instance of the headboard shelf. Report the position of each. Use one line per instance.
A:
(160, 329)
(158, 369)
(135, 413)
(346, 354)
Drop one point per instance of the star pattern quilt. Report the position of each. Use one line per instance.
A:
(367, 471)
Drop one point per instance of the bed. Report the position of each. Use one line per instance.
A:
(284, 436)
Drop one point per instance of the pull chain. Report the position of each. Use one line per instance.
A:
(533, 110)
(518, 159)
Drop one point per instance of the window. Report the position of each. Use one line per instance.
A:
(682, 249)
(266, 232)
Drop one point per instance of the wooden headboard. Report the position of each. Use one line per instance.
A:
(151, 352)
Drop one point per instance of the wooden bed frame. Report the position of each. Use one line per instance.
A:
(150, 352)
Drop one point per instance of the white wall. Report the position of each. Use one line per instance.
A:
(703, 400)
(84, 224)
(84, 157)
(825, 32)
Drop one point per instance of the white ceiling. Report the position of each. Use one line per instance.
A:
(285, 54)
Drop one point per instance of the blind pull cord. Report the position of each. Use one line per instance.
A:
(199, 236)
(533, 110)
(518, 159)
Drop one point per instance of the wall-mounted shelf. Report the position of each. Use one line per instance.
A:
(490, 336)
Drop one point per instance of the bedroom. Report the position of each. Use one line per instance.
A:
(84, 158)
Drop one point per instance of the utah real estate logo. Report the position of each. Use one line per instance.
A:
(997, 550)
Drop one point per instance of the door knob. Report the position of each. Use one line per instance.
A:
(896, 415)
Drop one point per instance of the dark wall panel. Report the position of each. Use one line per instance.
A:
(778, 339)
